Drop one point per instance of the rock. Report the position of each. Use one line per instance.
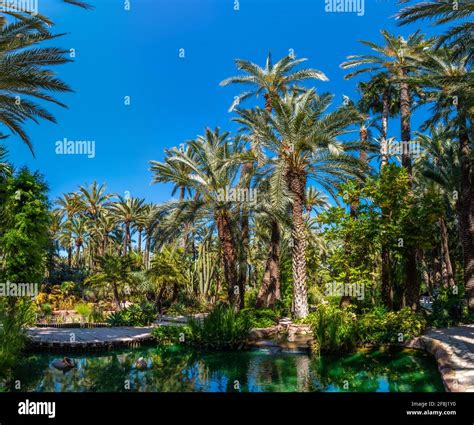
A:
(64, 364)
(141, 364)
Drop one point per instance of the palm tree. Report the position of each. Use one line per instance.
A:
(439, 164)
(394, 60)
(460, 36)
(213, 172)
(273, 80)
(397, 58)
(449, 83)
(114, 273)
(26, 75)
(126, 212)
(78, 228)
(93, 200)
(69, 205)
(304, 137)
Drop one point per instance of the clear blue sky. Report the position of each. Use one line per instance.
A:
(135, 53)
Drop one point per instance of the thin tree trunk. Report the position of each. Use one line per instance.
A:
(147, 252)
(387, 291)
(244, 227)
(270, 289)
(229, 257)
(296, 185)
(412, 292)
(467, 209)
(449, 276)
(140, 241)
(69, 257)
(385, 113)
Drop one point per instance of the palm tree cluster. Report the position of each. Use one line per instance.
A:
(91, 223)
(295, 144)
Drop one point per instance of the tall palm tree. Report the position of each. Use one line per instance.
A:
(439, 163)
(213, 173)
(273, 80)
(78, 228)
(449, 82)
(304, 137)
(397, 58)
(69, 205)
(93, 199)
(126, 211)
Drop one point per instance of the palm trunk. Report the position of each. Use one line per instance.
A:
(69, 257)
(296, 184)
(387, 291)
(412, 290)
(270, 290)
(449, 275)
(117, 297)
(466, 218)
(147, 252)
(244, 227)
(139, 241)
(385, 113)
(125, 238)
(229, 258)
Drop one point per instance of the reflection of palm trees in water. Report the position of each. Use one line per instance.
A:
(303, 371)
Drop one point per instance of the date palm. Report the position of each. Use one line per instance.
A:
(213, 173)
(126, 211)
(26, 75)
(93, 199)
(272, 80)
(449, 84)
(439, 164)
(303, 135)
(397, 58)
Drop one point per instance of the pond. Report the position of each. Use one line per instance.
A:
(177, 369)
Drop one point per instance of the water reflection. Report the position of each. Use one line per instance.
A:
(175, 369)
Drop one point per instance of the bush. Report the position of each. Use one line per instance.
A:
(260, 318)
(379, 326)
(135, 315)
(83, 310)
(222, 329)
(46, 309)
(167, 335)
(448, 309)
(117, 318)
(334, 329)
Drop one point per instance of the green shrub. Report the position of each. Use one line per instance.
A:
(135, 315)
(404, 325)
(222, 329)
(167, 335)
(372, 326)
(260, 318)
(117, 318)
(378, 326)
(46, 309)
(448, 309)
(334, 329)
(83, 310)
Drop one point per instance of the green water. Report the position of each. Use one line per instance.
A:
(175, 369)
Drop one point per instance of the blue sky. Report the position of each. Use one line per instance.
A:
(136, 53)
